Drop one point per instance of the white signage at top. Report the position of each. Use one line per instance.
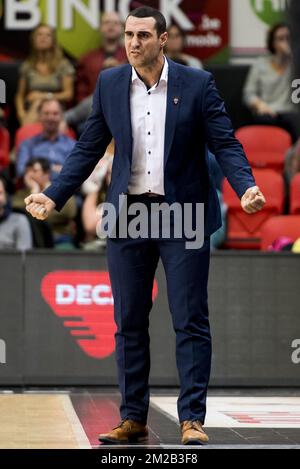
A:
(60, 13)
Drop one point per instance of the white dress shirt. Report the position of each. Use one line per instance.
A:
(148, 117)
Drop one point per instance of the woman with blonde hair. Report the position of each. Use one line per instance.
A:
(45, 73)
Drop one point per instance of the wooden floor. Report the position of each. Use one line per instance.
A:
(73, 418)
(39, 422)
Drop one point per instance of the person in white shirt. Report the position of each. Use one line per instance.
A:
(162, 117)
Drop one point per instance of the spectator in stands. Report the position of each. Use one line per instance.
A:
(95, 189)
(50, 144)
(292, 162)
(15, 230)
(46, 73)
(175, 46)
(37, 179)
(76, 116)
(267, 91)
(91, 64)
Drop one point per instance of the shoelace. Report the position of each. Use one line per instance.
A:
(122, 424)
(194, 425)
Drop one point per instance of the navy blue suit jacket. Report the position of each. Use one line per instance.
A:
(198, 121)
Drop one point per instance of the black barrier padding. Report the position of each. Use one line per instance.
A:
(11, 318)
(254, 313)
(52, 354)
(255, 318)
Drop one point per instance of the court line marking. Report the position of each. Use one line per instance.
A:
(77, 428)
(241, 412)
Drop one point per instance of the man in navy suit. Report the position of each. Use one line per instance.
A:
(163, 116)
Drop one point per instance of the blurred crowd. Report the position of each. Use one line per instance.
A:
(53, 101)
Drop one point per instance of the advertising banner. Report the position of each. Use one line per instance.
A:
(205, 22)
(69, 326)
(69, 323)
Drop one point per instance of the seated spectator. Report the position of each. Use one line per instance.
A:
(175, 46)
(50, 144)
(267, 91)
(91, 64)
(77, 116)
(95, 189)
(292, 162)
(37, 179)
(46, 73)
(15, 232)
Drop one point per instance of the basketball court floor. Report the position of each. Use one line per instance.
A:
(72, 418)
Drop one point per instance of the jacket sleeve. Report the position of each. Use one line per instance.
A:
(222, 141)
(85, 155)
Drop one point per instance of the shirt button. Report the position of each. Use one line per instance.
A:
(149, 92)
(148, 113)
(149, 190)
(149, 152)
(149, 172)
(149, 133)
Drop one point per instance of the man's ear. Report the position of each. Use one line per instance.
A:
(164, 40)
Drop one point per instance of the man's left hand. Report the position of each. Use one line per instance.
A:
(253, 200)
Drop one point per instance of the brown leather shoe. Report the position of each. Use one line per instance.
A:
(192, 433)
(127, 431)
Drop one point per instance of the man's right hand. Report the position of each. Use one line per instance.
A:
(39, 206)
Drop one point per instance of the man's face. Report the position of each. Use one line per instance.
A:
(142, 43)
(111, 26)
(3, 198)
(51, 116)
(37, 174)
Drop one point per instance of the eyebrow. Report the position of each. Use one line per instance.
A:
(141, 31)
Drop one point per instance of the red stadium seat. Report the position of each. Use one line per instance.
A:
(4, 147)
(275, 227)
(295, 195)
(265, 146)
(243, 230)
(30, 130)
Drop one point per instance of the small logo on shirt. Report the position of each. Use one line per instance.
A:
(176, 100)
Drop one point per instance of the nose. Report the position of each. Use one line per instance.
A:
(135, 42)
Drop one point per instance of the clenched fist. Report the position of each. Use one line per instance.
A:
(253, 200)
(39, 206)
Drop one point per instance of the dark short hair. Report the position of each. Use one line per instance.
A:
(271, 35)
(45, 165)
(149, 12)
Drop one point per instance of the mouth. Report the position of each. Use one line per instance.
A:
(134, 53)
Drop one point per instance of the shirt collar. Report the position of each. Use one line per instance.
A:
(163, 76)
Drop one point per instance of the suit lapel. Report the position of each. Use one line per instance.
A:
(122, 99)
(173, 105)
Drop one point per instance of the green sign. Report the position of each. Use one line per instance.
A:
(269, 11)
